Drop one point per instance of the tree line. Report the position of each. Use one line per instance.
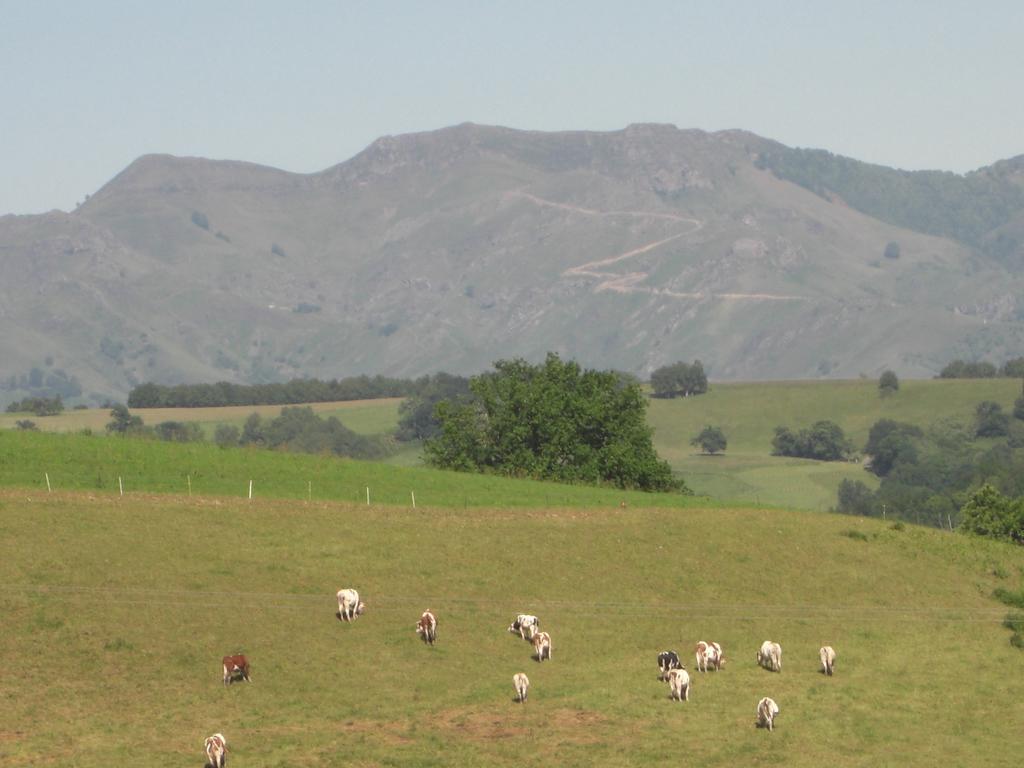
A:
(293, 392)
(962, 369)
(297, 429)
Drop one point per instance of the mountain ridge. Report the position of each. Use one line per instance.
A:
(445, 250)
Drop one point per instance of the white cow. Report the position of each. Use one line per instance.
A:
(522, 684)
(679, 684)
(525, 626)
(767, 711)
(216, 750)
(709, 654)
(542, 645)
(828, 659)
(349, 605)
(769, 656)
(426, 627)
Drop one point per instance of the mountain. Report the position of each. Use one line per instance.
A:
(449, 249)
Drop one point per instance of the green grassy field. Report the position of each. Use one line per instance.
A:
(92, 462)
(749, 412)
(117, 612)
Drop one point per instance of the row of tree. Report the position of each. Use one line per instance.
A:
(296, 429)
(962, 369)
(40, 406)
(296, 391)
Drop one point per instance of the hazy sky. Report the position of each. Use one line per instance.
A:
(86, 87)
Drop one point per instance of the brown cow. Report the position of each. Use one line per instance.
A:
(236, 668)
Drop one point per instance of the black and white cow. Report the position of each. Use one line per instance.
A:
(667, 661)
(525, 625)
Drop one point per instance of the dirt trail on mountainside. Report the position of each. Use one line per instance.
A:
(629, 282)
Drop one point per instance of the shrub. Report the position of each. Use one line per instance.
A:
(711, 440)
(200, 220)
(990, 421)
(888, 383)
(823, 441)
(679, 380)
(226, 435)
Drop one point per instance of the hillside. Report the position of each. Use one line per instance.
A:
(117, 612)
(747, 412)
(446, 250)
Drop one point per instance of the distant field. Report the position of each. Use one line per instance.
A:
(117, 612)
(749, 412)
(367, 417)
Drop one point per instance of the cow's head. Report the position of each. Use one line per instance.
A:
(360, 608)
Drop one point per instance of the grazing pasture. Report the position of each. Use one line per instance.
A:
(117, 612)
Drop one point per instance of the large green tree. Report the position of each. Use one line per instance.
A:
(553, 421)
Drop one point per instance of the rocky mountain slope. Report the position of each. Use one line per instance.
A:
(449, 249)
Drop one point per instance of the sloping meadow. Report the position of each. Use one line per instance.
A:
(117, 612)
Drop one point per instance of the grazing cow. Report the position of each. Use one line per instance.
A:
(427, 627)
(216, 750)
(679, 684)
(828, 659)
(767, 711)
(349, 605)
(525, 626)
(709, 654)
(542, 645)
(769, 656)
(522, 684)
(235, 668)
(667, 661)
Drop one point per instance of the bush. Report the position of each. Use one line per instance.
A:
(989, 513)
(679, 380)
(711, 440)
(179, 431)
(26, 425)
(200, 220)
(888, 383)
(990, 421)
(855, 498)
(824, 441)
(226, 435)
(892, 250)
(890, 442)
(122, 422)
